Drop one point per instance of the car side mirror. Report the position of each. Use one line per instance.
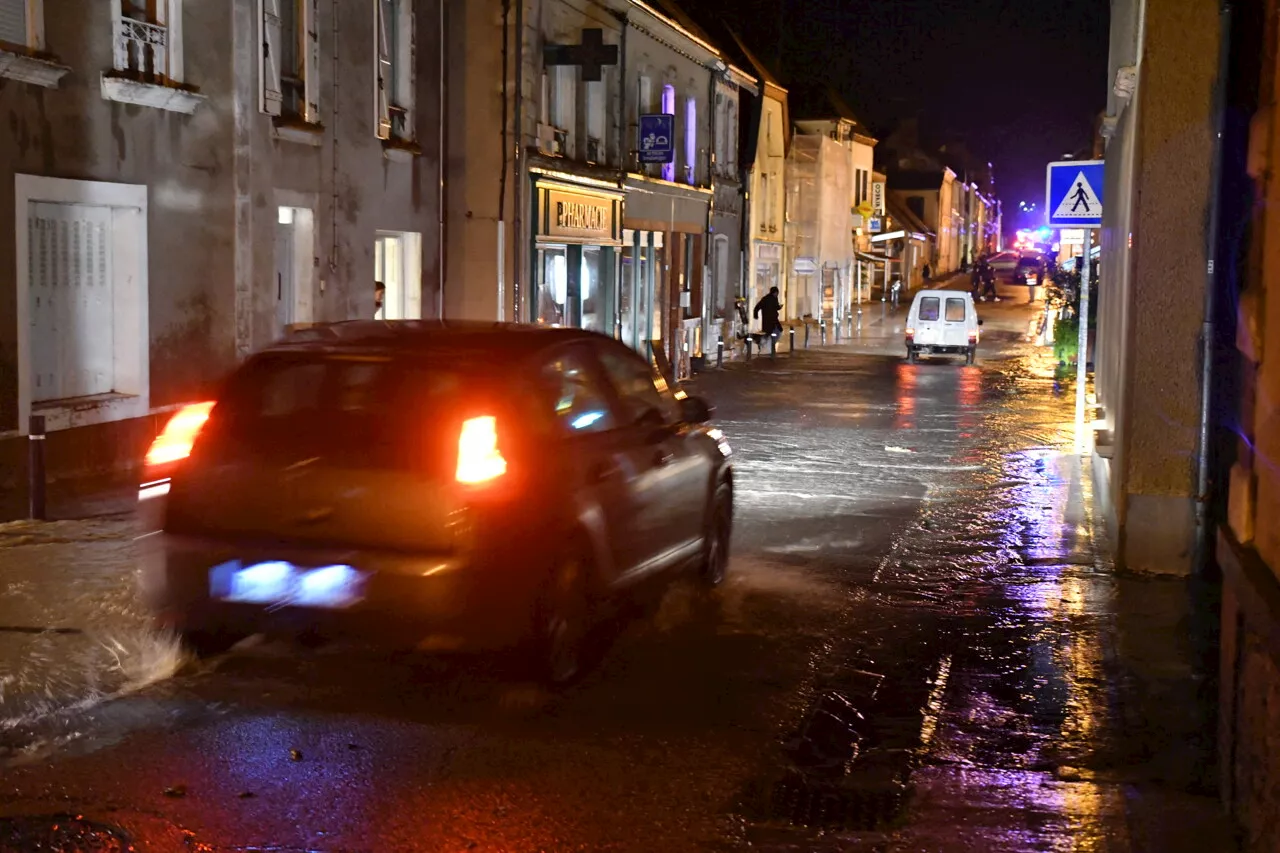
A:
(695, 410)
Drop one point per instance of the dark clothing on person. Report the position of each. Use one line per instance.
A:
(767, 311)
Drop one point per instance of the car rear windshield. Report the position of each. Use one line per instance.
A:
(929, 308)
(955, 310)
(351, 411)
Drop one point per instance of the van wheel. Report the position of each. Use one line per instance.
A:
(914, 356)
(972, 355)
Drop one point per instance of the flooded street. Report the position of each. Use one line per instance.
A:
(918, 648)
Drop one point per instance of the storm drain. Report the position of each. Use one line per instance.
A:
(805, 801)
(61, 834)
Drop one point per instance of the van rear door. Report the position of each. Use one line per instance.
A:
(955, 322)
(927, 321)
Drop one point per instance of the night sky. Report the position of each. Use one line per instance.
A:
(1020, 82)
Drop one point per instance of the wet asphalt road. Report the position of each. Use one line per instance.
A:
(913, 590)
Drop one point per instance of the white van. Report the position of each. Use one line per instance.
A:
(943, 322)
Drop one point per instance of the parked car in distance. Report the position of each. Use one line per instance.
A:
(445, 486)
(943, 322)
(1003, 263)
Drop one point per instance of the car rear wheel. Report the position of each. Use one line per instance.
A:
(565, 621)
(971, 356)
(715, 555)
(914, 356)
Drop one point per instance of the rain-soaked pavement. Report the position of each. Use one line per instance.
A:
(919, 649)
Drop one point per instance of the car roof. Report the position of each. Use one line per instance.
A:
(459, 341)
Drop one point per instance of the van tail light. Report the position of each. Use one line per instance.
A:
(479, 459)
(911, 334)
(177, 439)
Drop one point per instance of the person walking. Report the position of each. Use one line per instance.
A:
(989, 282)
(767, 311)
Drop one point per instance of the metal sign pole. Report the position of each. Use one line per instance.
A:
(1082, 358)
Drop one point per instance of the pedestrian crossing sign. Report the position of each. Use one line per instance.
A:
(1074, 194)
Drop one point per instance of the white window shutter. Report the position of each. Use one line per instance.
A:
(406, 56)
(13, 22)
(384, 72)
(311, 59)
(272, 95)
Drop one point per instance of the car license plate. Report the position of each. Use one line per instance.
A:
(282, 583)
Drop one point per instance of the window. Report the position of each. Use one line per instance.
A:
(82, 303)
(669, 108)
(353, 412)
(21, 36)
(148, 40)
(581, 402)
(690, 141)
(564, 112)
(147, 65)
(929, 306)
(290, 71)
(955, 311)
(641, 391)
(395, 71)
(595, 106)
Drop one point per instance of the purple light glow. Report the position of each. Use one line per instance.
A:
(669, 108)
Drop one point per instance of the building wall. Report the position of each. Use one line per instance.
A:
(213, 181)
(184, 161)
(1250, 555)
(1156, 408)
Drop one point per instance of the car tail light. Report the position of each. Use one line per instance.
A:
(177, 439)
(479, 459)
(911, 333)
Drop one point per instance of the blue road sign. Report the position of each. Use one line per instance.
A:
(657, 139)
(1073, 197)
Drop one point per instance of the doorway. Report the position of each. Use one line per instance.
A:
(397, 263)
(295, 262)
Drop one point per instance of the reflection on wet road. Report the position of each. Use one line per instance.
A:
(916, 650)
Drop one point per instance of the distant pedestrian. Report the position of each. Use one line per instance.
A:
(989, 282)
(928, 272)
(767, 311)
(975, 282)
(379, 298)
(1038, 281)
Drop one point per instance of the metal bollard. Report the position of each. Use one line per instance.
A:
(773, 346)
(822, 333)
(806, 334)
(748, 343)
(837, 328)
(793, 339)
(36, 468)
(720, 353)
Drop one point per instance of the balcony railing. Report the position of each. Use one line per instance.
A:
(141, 48)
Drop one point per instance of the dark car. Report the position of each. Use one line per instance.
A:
(442, 485)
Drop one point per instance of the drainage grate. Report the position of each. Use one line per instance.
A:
(804, 801)
(61, 834)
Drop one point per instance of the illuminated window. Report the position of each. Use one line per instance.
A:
(669, 108)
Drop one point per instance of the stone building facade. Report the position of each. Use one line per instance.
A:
(186, 180)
